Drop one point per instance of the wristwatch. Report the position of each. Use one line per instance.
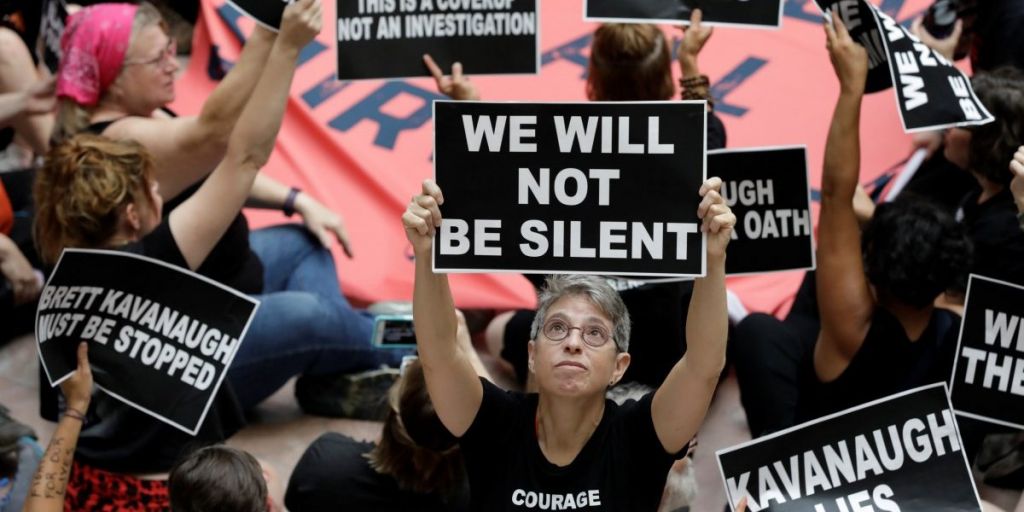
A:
(289, 202)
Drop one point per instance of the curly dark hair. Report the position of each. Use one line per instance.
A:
(993, 145)
(913, 251)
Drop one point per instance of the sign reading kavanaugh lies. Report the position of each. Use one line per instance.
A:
(601, 188)
(160, 338)
(900, 453)
(988, 378)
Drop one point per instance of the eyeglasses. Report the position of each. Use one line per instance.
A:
(594, 335)
(168, 53)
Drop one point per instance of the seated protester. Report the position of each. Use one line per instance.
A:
(416, 465)
(989, 213)
(879, 332)
(567, 444)
(219, 478)
(628, 62)
(93, 192)
(304, 325)
(1017, 184)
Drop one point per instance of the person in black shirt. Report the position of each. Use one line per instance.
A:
(93, 192)
(863, 325)
(567, 447)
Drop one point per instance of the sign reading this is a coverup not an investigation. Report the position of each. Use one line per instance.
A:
(601, 188)
(160, 338)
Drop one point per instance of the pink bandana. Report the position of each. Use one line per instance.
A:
(93, 47)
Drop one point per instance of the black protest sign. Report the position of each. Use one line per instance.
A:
(54, 15)
(988, 376)
(930, 91)
(749, 13)
(161, 338)
(266, 12)
(601, 188)
(900, 453)
(769, 192)
(387, 38)
(857, 17)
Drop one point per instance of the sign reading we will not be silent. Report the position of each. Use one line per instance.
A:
(600, 188)
(160, 338)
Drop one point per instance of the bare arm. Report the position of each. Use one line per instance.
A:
(18, 74)
(452, 381)
(201, 220)
(186, 149)
(679, 405)
(844, 297)
(326, 224)
(51, 478)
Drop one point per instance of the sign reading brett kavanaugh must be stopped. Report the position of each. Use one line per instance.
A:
(600, 188)
(900, 453)
(160, 338)
(988, 378)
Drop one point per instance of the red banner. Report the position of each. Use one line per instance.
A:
(363, 147)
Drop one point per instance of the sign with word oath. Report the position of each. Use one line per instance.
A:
(988, 376)
(598, 188)
(900, 453)
(160, 338)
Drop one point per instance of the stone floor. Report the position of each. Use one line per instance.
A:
(280, 432)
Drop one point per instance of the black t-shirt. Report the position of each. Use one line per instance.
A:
(334, 474)
(887, 362)
(622, 467)
(231, 262)
(995, 231)
(117, 437)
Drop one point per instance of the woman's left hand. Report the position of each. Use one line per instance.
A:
(324, 223)
(694, 38)
(717, 219)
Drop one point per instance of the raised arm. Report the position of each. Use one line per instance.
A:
(844, 297)
(202, 219)
(51, 478)
(679, 405)
(457, 86)
(186, 149)
(18, 75)
(452, 381)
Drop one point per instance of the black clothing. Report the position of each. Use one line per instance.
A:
(334, 474)
(622, 467)
(996, 234)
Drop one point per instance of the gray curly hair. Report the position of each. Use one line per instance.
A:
(597, 291)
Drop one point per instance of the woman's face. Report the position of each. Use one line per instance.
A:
(146, 82)
(957, 147)
(571, 367)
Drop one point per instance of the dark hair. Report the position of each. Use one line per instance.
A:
(993, 145)
(415, 447)
(218, 478)
(913, 251)
(630, 62)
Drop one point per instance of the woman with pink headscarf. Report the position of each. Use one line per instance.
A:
(116, 75)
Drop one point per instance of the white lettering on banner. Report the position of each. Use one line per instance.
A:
(154, 352)
(612, 233)
(539, 186)
(882, 450)
(776, 223)
(1001, 371)
(749, 192)
(468, 24)
(547, 501)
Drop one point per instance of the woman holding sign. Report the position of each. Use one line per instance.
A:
(566, 446)
(94, 192)
(872, 330)
(628, 62)
(288, 267)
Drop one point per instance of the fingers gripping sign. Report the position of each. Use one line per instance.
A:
(422, 217)
(717, 219)
(849, 58)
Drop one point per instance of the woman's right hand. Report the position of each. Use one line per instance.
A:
(423, 216)
(300, 23)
